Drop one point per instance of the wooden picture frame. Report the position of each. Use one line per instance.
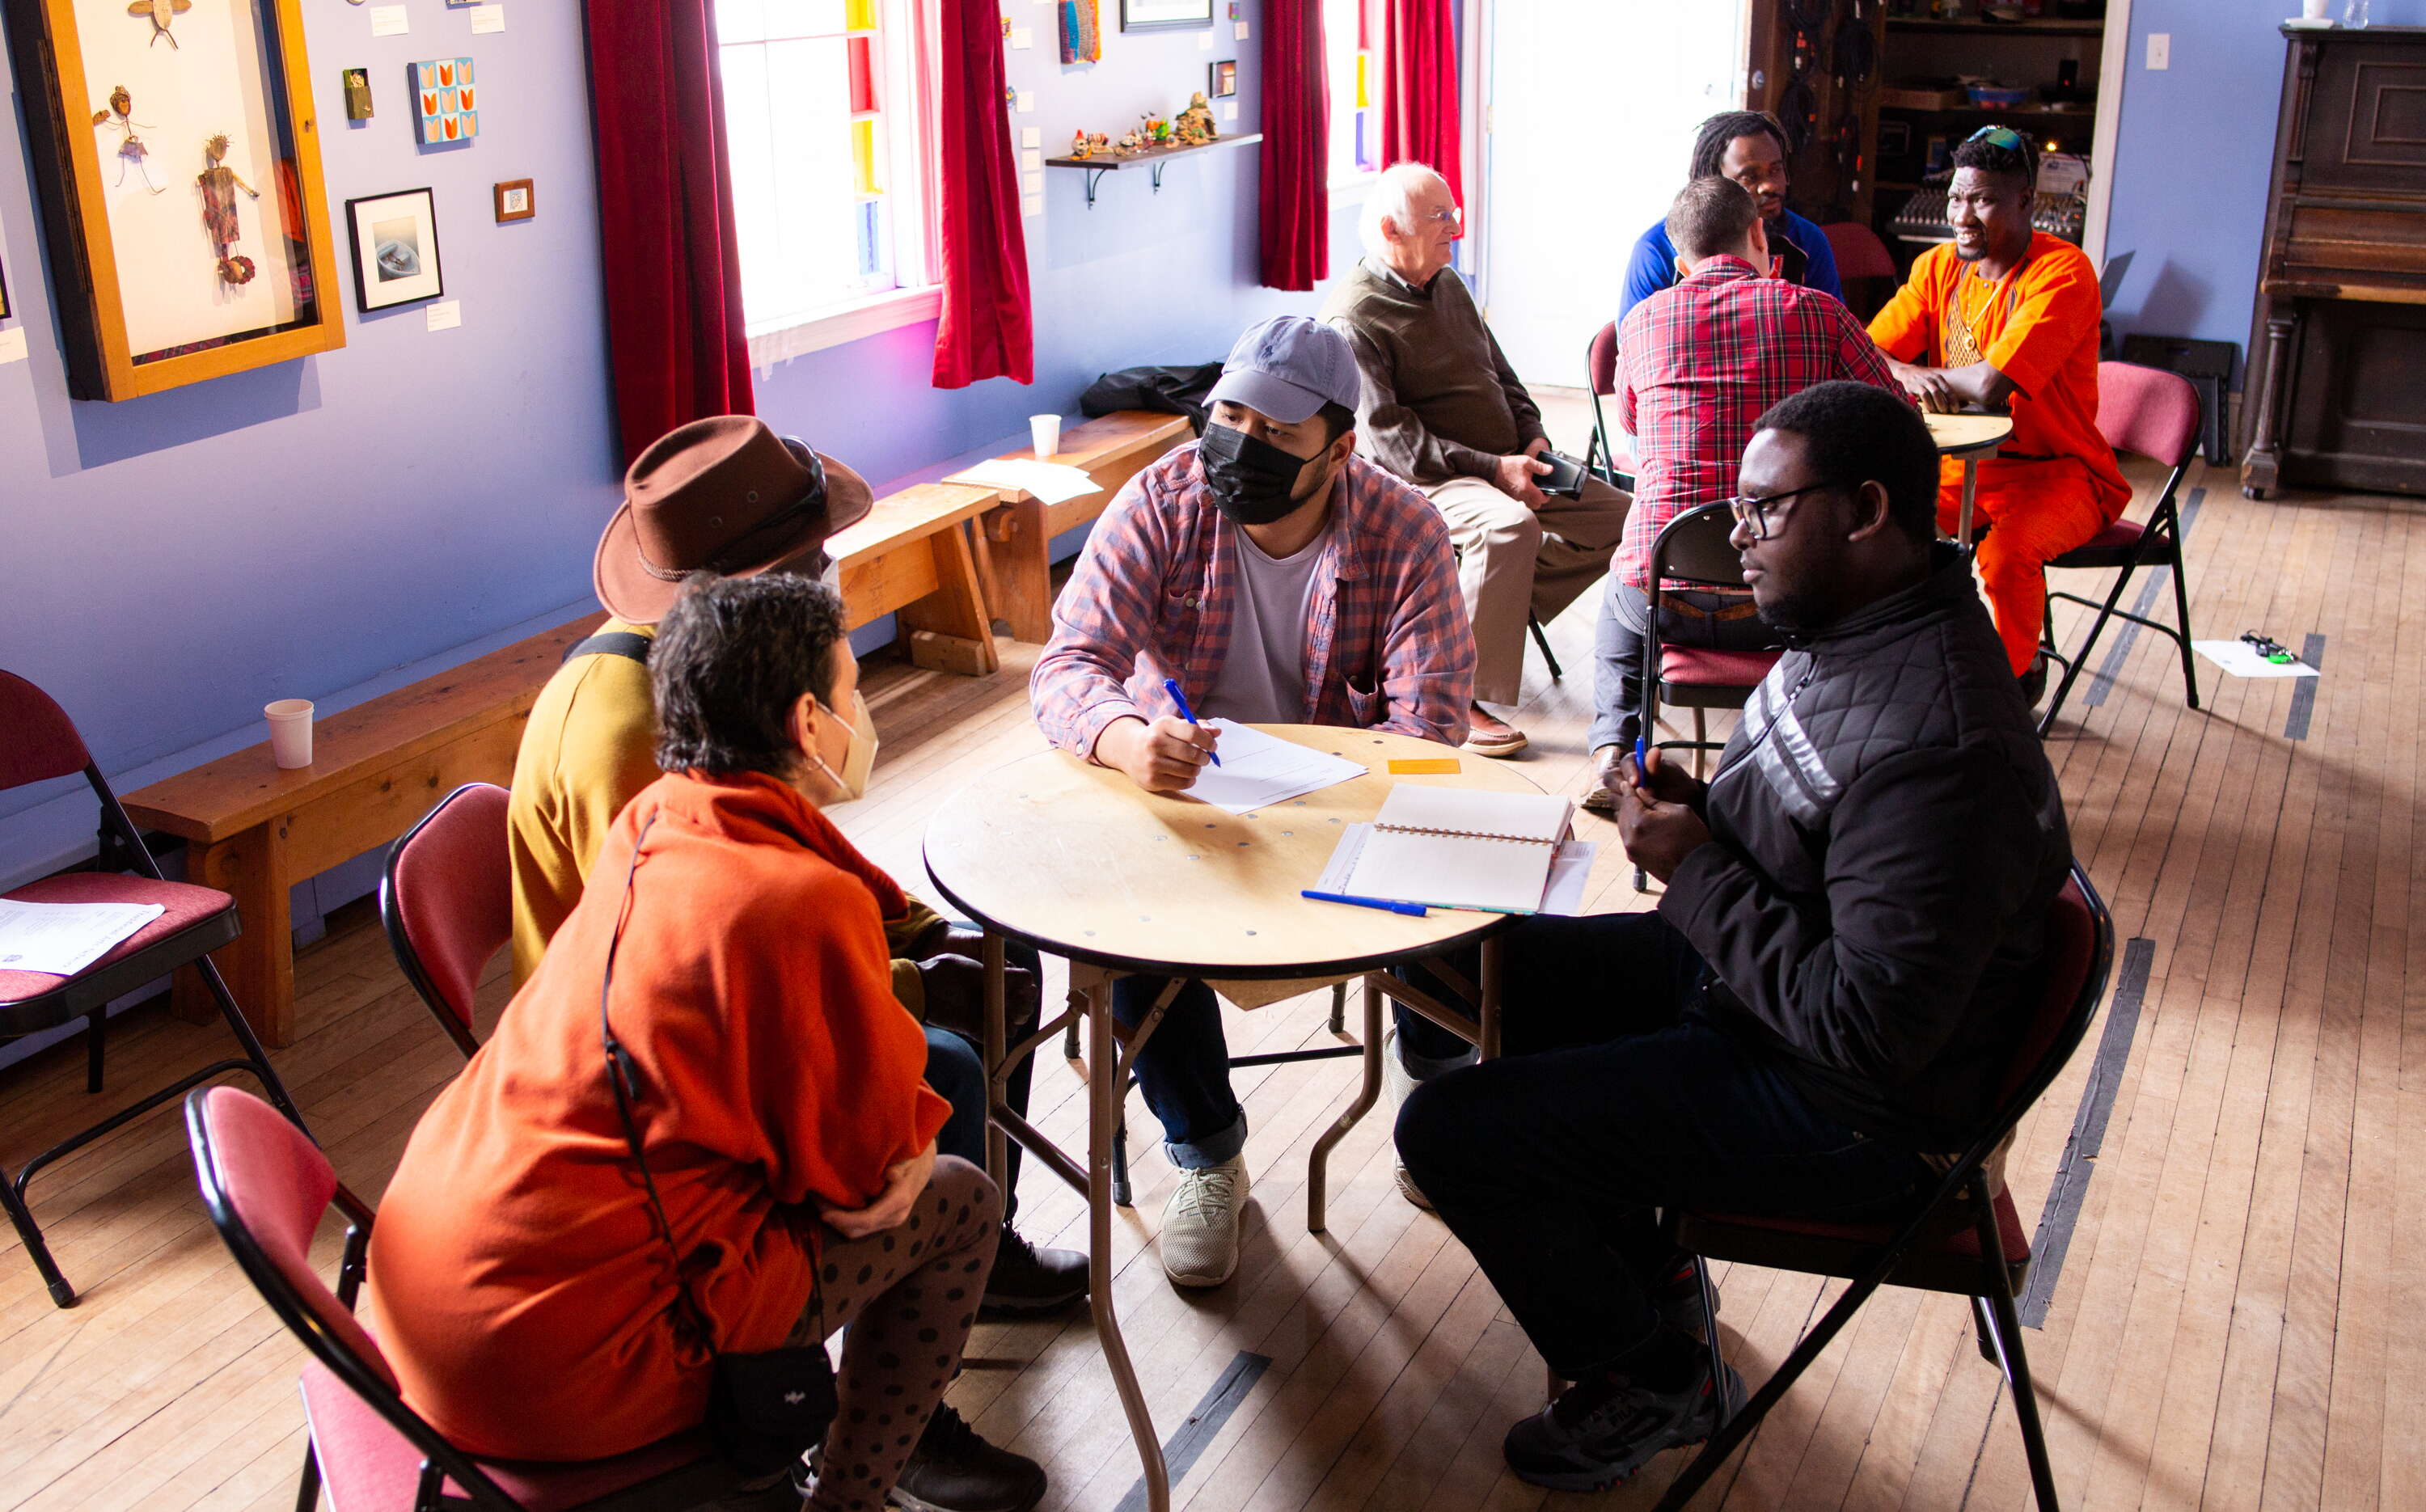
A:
(1222, 79)
(516, 200)
(1165, 15)
(149, 298)
(395, 250)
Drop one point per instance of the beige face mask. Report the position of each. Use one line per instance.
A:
(859, 757)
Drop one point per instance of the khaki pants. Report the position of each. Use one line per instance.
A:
(1512, 560)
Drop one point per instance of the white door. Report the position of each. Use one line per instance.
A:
(1589, 114)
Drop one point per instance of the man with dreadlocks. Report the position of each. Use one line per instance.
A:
(2005, 317)
(1748, 146)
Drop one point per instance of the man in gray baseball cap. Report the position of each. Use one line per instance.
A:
(1274, 576)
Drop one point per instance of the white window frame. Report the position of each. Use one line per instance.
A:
(906, 100)
(1354, 181)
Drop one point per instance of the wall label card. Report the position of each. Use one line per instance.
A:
(488, 19)
(390, 21)
(445, 315)
(12, 346)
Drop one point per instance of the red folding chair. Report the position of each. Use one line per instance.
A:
(1864, 269)
(38, 743)
(1965, 1239)
(2155, 413)
(448, 900)
(267, 1186)
(1600, 373)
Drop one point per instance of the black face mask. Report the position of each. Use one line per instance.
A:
(1252, 482)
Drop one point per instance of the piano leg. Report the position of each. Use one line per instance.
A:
(2261, 469)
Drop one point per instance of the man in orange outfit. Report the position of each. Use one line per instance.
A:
(2006, 317)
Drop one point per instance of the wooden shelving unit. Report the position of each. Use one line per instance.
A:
(2043, 26)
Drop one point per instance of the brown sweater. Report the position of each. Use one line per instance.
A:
(1439, 401)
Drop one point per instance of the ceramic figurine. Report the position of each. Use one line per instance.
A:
(1156, 130)
(160, 14)
(1129, 143)
(120, 117)
(1195, 127)
(217, 182)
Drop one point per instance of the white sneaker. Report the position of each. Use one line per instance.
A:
(1395, 1085)
(1200, 1224)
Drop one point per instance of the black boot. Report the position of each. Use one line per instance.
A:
(1028, 1279)
(953, 1470)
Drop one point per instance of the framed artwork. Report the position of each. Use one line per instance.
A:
(177, 164)
(446, 108)
(3, 293)
(357, 93)
(395, 249)
(1164, 15)
(1223, 81)
(515, 200)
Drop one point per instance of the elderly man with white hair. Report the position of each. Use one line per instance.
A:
(1442, 408)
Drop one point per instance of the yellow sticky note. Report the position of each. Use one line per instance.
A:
(1425, 766)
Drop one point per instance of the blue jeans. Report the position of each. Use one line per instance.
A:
(956, 1070)
(1183, 1072)
(1617, 649)
(1617, 1096)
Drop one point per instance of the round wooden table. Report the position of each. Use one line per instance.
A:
(1079, 862)
(1968, 438)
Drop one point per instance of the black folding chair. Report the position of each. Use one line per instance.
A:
(1967, 1239)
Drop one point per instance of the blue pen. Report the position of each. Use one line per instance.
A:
(1642, 760)
(1413, 910)
(1170, 685)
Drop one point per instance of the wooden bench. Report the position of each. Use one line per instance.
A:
(1018, 534)
(915, 557)
(253, 832)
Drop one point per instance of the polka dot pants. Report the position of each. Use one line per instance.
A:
(910, 1296)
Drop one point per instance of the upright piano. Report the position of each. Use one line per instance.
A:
(2339, 328)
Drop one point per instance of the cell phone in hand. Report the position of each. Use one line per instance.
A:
(1565, 477)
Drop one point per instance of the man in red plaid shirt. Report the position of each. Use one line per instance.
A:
(1277, 577)
(1699, 362)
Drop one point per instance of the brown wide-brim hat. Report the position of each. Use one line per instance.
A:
(725, 494)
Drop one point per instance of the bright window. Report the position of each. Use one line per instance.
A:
(825, 152)
(1352, 34)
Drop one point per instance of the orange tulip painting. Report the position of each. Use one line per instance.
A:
(443, 89)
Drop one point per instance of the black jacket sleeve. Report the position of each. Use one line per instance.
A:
(1929, 854)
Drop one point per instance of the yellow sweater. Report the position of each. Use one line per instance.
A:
(589, 747)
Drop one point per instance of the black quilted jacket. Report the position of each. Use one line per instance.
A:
(1889, 838)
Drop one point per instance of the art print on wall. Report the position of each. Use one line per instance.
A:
(395, 249)
(1223, 77)
(516, 200)
(444, 104)
(1161, 15)
(177, 164)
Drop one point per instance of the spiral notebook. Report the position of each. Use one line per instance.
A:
(1458, 848)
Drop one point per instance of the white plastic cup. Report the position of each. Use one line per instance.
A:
(290, 732)
(1045, 434)
(2315, 9)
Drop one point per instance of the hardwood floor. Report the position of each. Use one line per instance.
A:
(2230, 1326)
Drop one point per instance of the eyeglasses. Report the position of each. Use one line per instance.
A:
(2004, 136)
(1451, 217)
(1753, 514)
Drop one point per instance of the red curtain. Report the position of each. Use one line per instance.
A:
(1419, 89)
(985, 331)
(675, 334)
(1295, 209)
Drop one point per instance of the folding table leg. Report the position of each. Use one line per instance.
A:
(1106, 1091)
(1318, 1169)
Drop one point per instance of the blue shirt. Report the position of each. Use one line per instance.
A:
(1654, 265)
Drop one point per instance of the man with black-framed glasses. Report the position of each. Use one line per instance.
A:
(1845, 953)
(1698, 363)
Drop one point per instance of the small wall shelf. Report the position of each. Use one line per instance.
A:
(1156, 158)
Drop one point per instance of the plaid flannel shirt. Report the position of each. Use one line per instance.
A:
(1387, 646)
(1698, 363)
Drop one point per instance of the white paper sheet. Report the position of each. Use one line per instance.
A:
(62, 938)
(1053, 482)
(2241, 659)
(1569, 870)
(1258, 770)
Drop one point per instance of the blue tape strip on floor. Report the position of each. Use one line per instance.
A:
(2072, 1173)
(2120, 647)
(2304, 698)
(1182, 1450)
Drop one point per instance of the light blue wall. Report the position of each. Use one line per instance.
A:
(2193, 153)
(335, 526)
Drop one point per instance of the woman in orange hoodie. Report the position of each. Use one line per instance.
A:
(518, 1280)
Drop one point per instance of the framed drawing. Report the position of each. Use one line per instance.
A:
(514, 201)
(395, 249)
(176, 158)
(1222, 77)
(1165, 15)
